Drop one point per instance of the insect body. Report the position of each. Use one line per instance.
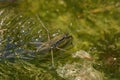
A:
(57, 42)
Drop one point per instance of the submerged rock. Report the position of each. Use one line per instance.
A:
(82, 54)
(80, 71)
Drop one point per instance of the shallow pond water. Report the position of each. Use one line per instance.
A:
(32, 40)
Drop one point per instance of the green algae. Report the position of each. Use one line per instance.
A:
(94, 26)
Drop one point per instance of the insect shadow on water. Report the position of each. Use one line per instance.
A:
(51, 44)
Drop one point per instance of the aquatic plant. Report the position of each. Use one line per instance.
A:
(108, 50)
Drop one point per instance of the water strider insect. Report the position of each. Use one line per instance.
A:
(54, 43)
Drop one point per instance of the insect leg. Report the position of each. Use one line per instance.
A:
(52, 58)
(60, 49)
(48, 38)
(44, 27)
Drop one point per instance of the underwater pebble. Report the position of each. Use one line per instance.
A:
(79, 70)
(82, 54)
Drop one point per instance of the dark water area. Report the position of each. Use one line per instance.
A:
(7, 0)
